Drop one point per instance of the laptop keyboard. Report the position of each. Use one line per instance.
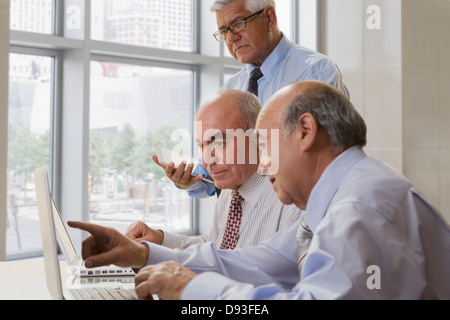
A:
(102, 294)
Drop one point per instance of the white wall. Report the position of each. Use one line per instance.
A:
(426, 95)
(399, 79)
(4, 70)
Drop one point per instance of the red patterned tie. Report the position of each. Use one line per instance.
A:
(231, 235)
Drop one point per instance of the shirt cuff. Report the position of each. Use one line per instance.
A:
(172, 240)
(206, 286)
(160, 254)
(145, 244)
(201, 190)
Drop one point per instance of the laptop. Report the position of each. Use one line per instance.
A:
(72, 286)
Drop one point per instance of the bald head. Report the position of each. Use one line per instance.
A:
(245, 105)
(334, 113)
(313, 123)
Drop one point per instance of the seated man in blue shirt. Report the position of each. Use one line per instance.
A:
(250, 31)
(367, 233)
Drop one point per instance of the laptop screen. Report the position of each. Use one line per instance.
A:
(52, 269)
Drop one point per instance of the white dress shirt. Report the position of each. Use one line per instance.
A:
(364, 216)
(263, 215)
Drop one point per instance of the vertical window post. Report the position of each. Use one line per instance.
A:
(75, 117)
(4, 67)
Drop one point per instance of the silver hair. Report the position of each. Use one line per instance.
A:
(251, 5)
(249, 107)
(333, 112)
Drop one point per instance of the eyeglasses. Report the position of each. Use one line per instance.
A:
(235, 27)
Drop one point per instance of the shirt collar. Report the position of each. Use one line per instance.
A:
(251, 189)
(324, 191)
(274, 60)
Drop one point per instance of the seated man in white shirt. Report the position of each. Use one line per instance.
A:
(372, 234)
(262, 213)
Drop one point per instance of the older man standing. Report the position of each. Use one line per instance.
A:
(250, 31)
(248, 212)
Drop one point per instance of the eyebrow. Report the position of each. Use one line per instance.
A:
(213, 137)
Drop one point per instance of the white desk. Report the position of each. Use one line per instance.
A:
(23, 280)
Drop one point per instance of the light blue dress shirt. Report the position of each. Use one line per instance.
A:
(287, 64)
(374, 237)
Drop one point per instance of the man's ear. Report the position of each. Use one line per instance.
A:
(272, 18)
(307, 130)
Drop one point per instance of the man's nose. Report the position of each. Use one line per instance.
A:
(209, 156)
(232, 37)
(263, 171)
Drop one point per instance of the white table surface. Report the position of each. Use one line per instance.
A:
(23, 280)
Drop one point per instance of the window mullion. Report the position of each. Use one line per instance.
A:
(4, 68)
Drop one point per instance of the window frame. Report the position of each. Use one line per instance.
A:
(195, 80)
(61, 48)
(54, 129)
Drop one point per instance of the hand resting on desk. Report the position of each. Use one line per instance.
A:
(167, 280)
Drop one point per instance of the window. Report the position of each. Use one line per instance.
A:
(284, 14)
(166, 24)
(91, 104)
(32, 16)
(307, 23)
(30, 109)
(134, 107)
